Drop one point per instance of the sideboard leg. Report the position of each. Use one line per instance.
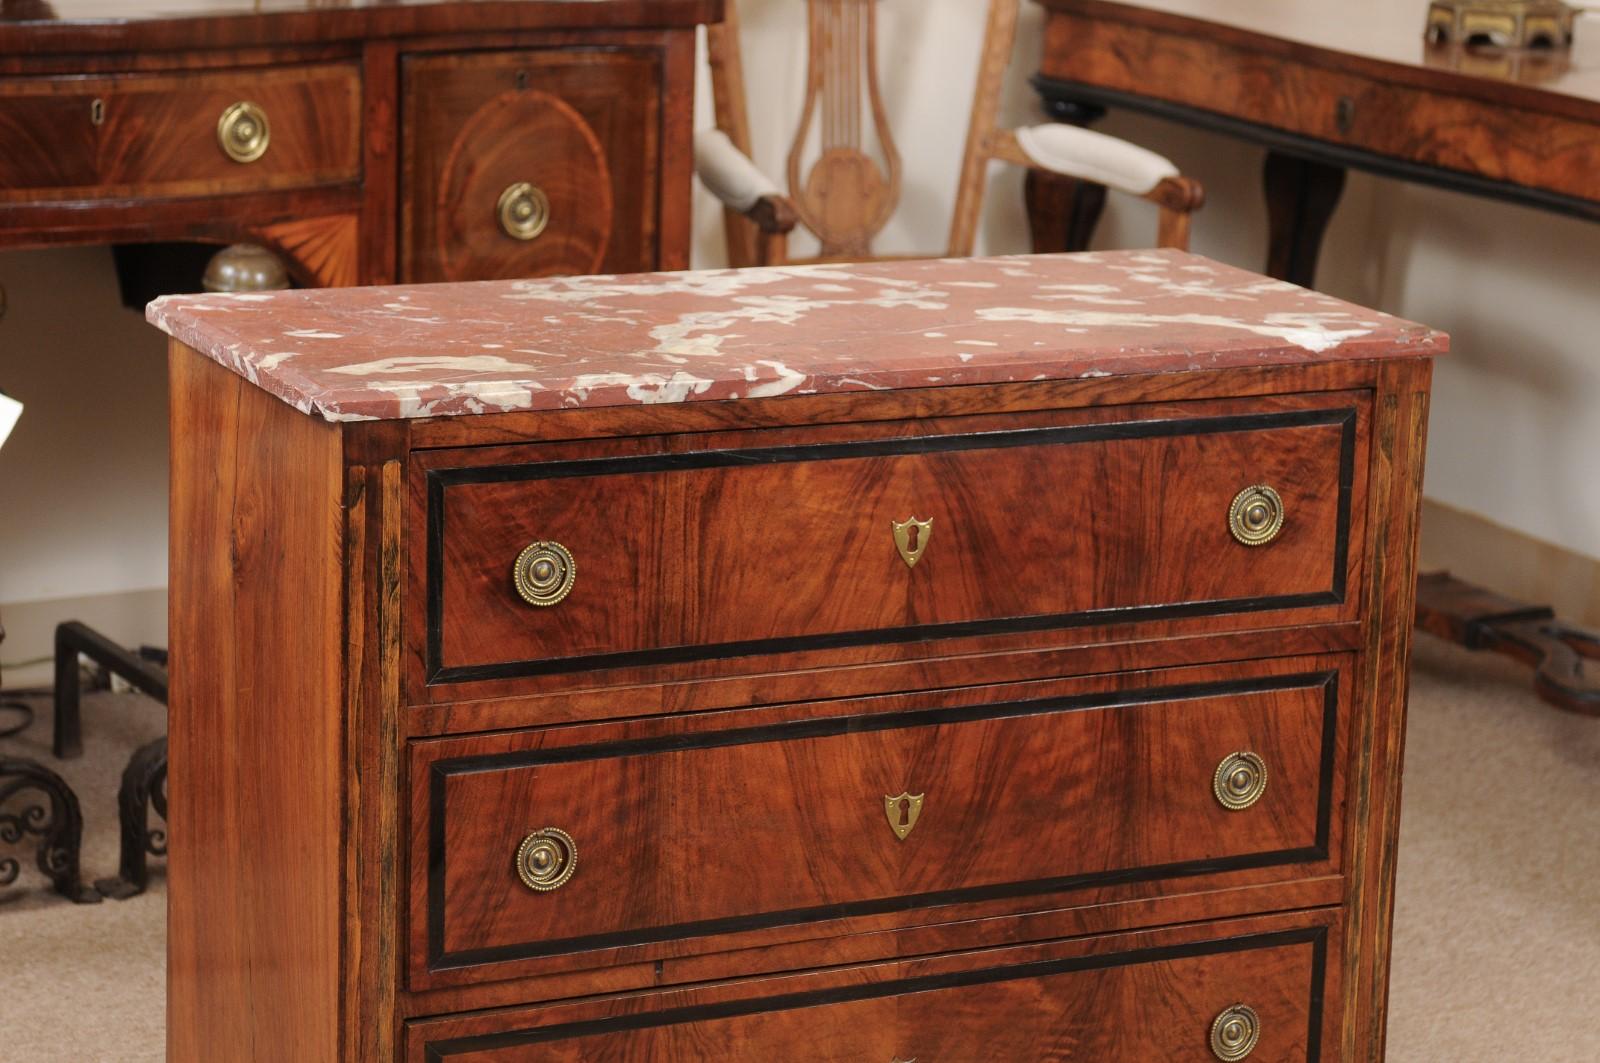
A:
(1301, 198)
(1063, 212)
(1478, 619)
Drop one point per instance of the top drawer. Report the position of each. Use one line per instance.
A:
(862, 542)
(179, 135)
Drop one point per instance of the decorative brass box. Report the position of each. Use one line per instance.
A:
(1503, 23)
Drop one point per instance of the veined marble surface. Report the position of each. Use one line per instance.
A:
(455, 349)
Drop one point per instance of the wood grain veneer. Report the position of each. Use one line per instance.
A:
(343, 873)
(1007, 553)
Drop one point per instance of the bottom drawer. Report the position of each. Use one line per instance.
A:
(1254, 988)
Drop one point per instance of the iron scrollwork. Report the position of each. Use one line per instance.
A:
(144, 789)
(36, 803)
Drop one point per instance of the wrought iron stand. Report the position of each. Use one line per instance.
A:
(35, 802)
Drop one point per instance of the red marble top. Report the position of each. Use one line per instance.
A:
(455, 349)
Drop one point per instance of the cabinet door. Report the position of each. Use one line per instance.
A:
(531, 163)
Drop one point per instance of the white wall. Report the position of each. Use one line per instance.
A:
(1516, 422)
(83, 482)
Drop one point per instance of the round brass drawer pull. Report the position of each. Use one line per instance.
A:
(544, 573)
(1234, 1033)
(1256, 516)
(1240, 781)
(546, 859)
(243, 132)
(524, 211)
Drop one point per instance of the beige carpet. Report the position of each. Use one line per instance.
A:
(1497, 947)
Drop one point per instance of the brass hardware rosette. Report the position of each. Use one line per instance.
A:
(546, 859)
(544, 573)
(523, 210)
(1256, 516)
(244, 132)
(1234, 1033)
(1240, 781)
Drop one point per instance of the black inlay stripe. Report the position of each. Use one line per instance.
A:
(1314, 936)
(438, 480)
(441, 771)
(894, 446)
(1055, 90)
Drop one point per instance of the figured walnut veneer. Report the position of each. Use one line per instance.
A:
(369, 722)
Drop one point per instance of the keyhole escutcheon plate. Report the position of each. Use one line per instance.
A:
(911, 538)
(903, 812)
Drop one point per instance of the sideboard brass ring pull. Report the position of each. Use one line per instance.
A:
(544, 573)
(1256, 516)
(546, 859)
(524, 211)
(1240, 781)
(244, 132)
(1234, 1033)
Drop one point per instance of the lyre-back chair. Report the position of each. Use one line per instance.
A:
(847, 193)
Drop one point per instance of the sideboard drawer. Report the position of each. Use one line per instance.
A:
(744, 550)
(531, 163)
(165, 135)
(554, 842)
(1260, 989)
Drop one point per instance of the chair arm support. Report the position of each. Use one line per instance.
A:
(739, 184)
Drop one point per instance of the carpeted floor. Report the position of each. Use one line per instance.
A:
(1497, 941)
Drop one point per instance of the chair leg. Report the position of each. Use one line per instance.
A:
(144, 787)
(53, 816)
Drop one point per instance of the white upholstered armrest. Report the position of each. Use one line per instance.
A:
(728, 173)
(1089, 156)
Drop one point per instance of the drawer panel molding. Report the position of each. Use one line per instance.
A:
(1069, 796)
(976, 593)
(1038, 1009)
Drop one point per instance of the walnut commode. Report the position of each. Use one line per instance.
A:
(940, 661)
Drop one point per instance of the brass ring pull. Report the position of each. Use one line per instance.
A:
(1240, 781)
(546, 859)
(243, 132)
(1234, 1033)
(524, 211)
(544, 573)
(1256, 516)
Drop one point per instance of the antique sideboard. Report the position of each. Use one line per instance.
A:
(948, 661)
(363, 142)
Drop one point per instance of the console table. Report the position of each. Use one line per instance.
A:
(1327, 86)
(363, 143)
(957, 661)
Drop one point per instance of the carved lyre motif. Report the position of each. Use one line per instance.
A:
(847, 197)
(903, 812)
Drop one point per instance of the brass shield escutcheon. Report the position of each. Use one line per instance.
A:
(901, 821)
(911, 538)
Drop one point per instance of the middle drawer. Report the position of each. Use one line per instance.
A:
(564, 848)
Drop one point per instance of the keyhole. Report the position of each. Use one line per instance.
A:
(1344, 114)
(97, 112)
(904, 807)
(522, 80)
(912, 538)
